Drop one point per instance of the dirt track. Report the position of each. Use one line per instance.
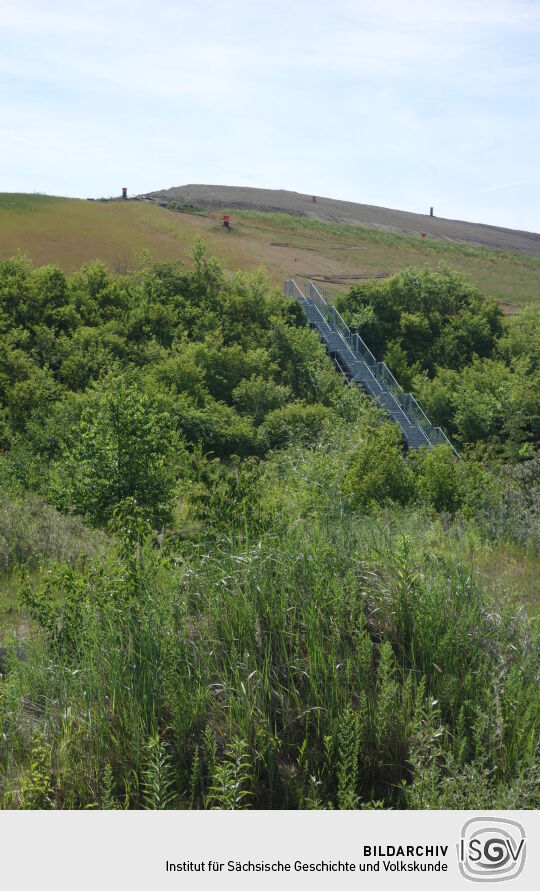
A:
(330, 210)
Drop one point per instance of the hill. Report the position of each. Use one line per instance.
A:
(335, 252)
(350, 213)
(223, 583)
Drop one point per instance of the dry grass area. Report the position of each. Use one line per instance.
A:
(71, 232)
(510, 573)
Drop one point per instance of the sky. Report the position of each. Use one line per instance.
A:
(405, 104)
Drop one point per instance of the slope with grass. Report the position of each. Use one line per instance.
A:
(334, 254)
(223, 584)
(329, 210)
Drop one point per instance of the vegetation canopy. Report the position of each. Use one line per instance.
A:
(224, 583)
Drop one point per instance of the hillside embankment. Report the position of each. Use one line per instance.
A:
(335, 254)
(350, 213)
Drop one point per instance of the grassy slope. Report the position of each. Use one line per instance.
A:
(126, 228)
(71, 232)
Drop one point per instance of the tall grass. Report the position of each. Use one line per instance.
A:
(329, 666)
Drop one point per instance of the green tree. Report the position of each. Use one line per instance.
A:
(122, 452)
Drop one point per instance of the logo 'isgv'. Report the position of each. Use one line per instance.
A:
(491, 849)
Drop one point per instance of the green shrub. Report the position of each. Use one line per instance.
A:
(258, 396)
(377, 470)
(121, 452)
(439, 479)
(430, 316)
(297, 422)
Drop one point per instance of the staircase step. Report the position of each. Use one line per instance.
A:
(354, 369)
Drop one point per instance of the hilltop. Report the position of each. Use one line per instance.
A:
(330, 210)
(335, 251)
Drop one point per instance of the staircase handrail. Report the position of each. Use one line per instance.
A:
(380, 371)
(330, 313)
(291, 289)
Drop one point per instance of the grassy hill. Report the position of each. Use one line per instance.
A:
(365, 216)
(71, 232)
(223, 583)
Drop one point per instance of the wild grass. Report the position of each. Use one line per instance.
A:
(70, 232)
(333, 666)
(34, 536)
(380, 236)
(364, 253)
(31, 530)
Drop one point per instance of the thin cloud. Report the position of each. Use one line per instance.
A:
(489, 14)
(406, 105)
(512, 185)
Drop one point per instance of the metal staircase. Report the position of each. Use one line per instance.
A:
(357, 364)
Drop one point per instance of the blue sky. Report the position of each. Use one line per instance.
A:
(403, 105)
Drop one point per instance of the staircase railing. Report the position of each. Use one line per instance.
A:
(333, 317)
(410, 407)
(292, 290)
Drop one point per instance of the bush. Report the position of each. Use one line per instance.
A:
(430, 316)
(122, 452)
(31, 530)
(293, 423)
(378, 471)
(438, 478)
(258, 396)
